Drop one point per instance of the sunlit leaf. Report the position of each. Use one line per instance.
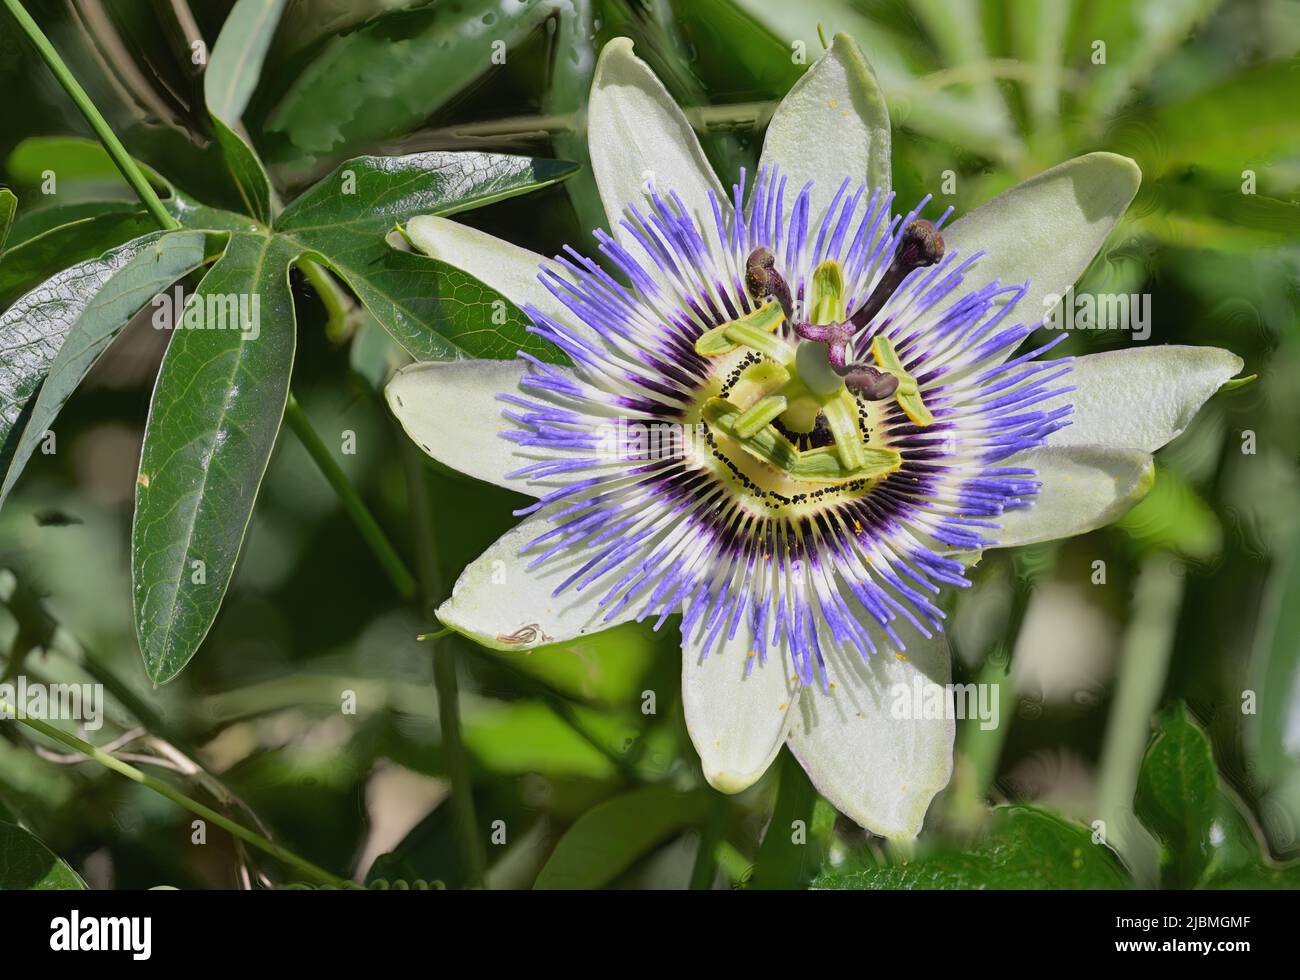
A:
(150, 270)
(32, 330)
(33, 261)
(526, 736)
(1174, 516)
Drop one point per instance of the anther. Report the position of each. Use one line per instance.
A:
(868, 382)
(919, 245)
(763, 281)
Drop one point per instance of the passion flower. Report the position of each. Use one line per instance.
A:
(792, 415)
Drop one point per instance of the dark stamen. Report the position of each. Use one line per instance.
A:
(919, 245)
(870, 383)
(763, 281)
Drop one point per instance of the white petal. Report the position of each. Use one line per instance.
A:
(1139, 398)
(502, 604)
(863, 744)
(737, 721)
(1084, 488)
(1046, 230)
(450, 409)
(510, 270)
(832, 124)
(637, 134)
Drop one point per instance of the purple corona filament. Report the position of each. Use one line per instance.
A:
(675, 530)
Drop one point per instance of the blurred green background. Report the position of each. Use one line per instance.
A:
(1201, 593)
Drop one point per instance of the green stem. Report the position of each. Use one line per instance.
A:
(1143, 664)
(176, 796)
(444, 668)
(705, 869)
(370, 530)
(742, 116)
(134, 176)
(733, 863)
(979, 750)
(339, 307)
(782, 861)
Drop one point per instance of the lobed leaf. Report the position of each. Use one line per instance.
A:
(33, 329)
(121, 295)
(213, 421)
(432, 310)
(31, 262)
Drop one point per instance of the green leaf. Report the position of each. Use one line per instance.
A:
(1026, 847)
(607, 839)
(1137, 37)
(37, 222)
(608, 666)
(1174, 516)
(82, 169)
(527, 736)
(738, 58)
(434, 311)
(28, 865)
(36, 259)
(573, 64)
(1264, 875)
(8, 204)
(151, 270)
(958, 118)
(228, 84)
(32, 330)
(1235, 841)
(1037, 36)
(1190, 211)
(38, 152)
(1177, 795)
(390, 75)
(1239, 124)
(216, 411)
